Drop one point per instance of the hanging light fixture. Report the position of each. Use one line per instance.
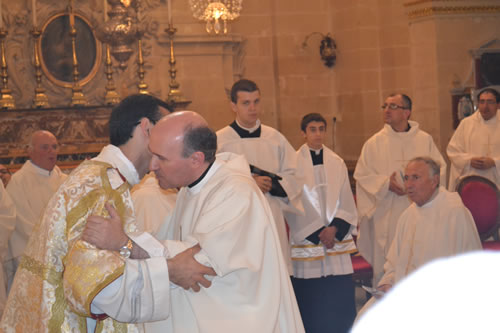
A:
(213, 12)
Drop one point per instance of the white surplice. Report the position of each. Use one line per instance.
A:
(228, 216)
(326, 194)
(153, 205)
(7, 224)
(474, 137)
(270, 152)
(441, 227)
(378, 208)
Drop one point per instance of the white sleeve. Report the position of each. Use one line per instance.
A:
(141, 294)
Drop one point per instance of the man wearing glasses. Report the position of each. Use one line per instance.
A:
(474, 149)
(380, 190)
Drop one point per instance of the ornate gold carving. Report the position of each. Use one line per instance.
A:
(457, 10)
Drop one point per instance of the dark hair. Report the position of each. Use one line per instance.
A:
(491, 91)
(201, 139)
(310, 118)
(406, 100)
(242, 85)
(128, 114)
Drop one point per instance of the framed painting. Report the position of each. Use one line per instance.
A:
(56, 50)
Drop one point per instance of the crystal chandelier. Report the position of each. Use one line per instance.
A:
(213, 12)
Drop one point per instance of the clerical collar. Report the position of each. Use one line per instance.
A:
(201, 177)
(243, 132)
(40, 170)
(317, 156)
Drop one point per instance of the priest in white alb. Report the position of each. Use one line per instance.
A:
(7, 224)
(437, 224)
(30, 189)
(271, 157)
(380, 193)
(322, 240)
(474, 148)
(220, 208)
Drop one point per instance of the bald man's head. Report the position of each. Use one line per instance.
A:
(43, 150)
(183, 146)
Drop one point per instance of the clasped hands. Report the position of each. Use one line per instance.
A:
(482, 163)
(183, 269)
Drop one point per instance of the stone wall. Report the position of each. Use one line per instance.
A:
(417, 47)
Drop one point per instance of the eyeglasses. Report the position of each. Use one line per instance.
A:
(393, 107)
(487, 101)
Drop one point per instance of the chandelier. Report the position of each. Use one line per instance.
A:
(213, 12)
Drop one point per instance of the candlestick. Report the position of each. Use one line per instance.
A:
(33, 12)
(175, 98)
(105, 10)
(169, 12)
(40, 100)
(71, 15)
(6, 99)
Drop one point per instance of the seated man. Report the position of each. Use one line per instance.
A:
(221, 208)
(437, 224)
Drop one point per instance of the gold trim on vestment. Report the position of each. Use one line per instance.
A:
(93, 203)
(308, 246)
(322, 257)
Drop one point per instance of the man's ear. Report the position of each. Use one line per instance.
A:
(233, 107)
(303, 134)
(145, 126)
(197, 158)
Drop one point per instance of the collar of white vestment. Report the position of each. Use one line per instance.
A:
(433, 197)
(211, 171)
(114, 156)
(251, 129)
(39, 170)
(413, 130)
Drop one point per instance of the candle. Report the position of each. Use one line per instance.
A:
(105, 10)
(71, 15)
(1, 20)
(169, 12)
(33, 11)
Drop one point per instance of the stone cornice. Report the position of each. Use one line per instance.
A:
(418, 9)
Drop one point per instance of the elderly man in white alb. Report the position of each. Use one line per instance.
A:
(437, 224)
(381, 197)
(7, 223)
(474, 148)
(219, 207)
(30, 189)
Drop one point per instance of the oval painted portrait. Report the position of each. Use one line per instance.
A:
(57, 50)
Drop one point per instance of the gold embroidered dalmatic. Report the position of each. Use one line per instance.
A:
(59, 274)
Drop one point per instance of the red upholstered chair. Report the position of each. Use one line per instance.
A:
(363, 272)
(482, 198)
